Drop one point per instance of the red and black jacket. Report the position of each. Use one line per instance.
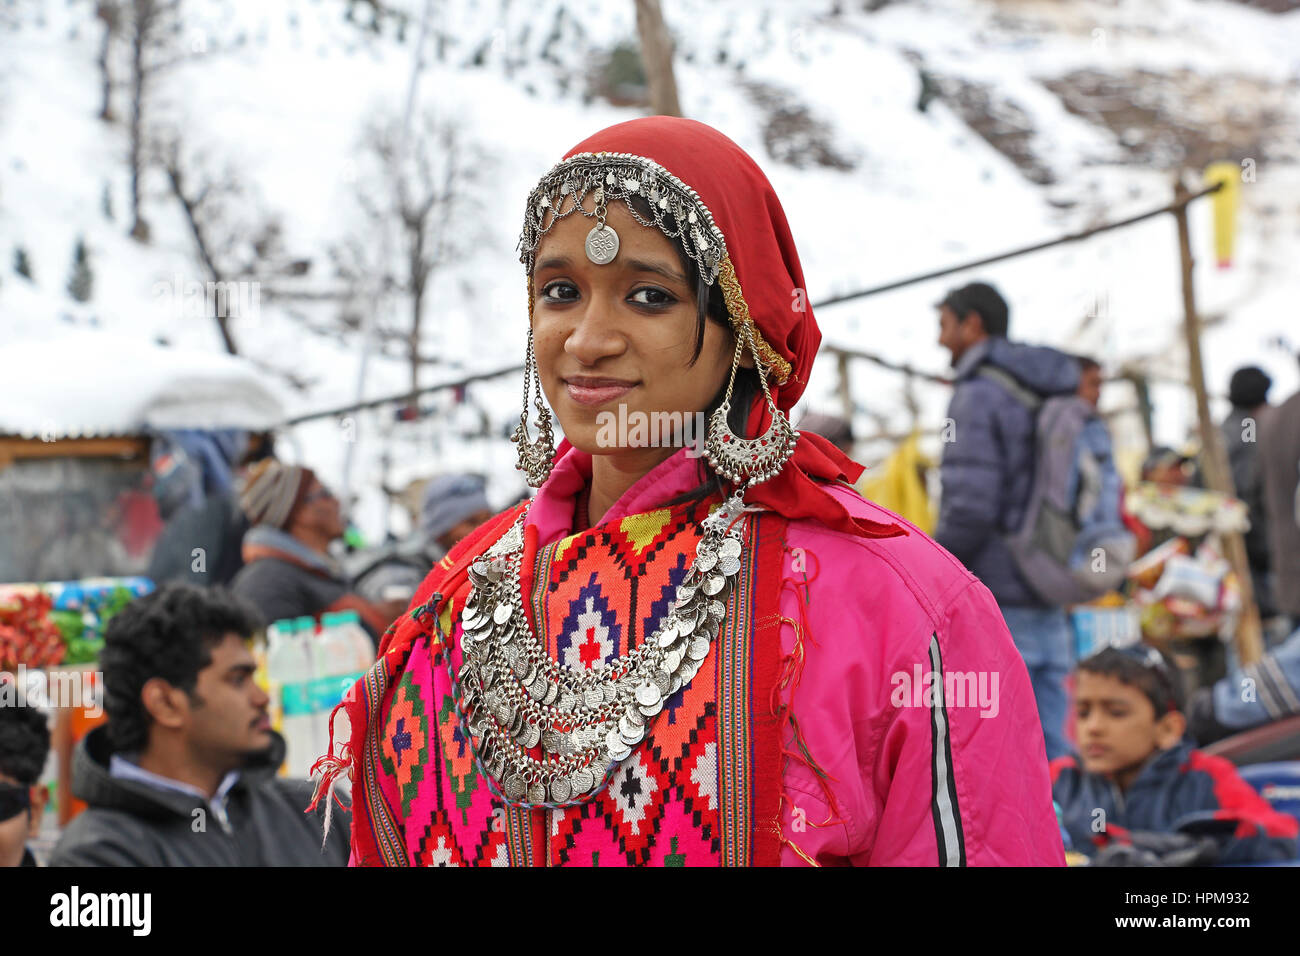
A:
(1179, 790)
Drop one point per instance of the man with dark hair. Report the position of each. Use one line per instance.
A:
(987, 474)
(183, 773)
(24, 745)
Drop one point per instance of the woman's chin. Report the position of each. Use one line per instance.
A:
(590, 442)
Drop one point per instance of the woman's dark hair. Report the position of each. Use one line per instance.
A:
(168, 634)
(24, 742)
(1142, 667)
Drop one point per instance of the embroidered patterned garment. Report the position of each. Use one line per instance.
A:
(593, 596)
(818, 759)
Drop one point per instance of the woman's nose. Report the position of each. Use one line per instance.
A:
(595, 335)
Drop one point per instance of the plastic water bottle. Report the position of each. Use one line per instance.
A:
(344, 655)
(363, 649)
(289, 665)
(335, 655)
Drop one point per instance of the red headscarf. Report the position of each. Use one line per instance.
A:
(766, 264)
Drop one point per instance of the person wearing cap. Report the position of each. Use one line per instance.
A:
(1248, 392)
(453, 506)
(288, 569)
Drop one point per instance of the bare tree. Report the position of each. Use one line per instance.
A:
(109, 12)
(232, 244)
(149, 27)
(428, 196)
(657, 55)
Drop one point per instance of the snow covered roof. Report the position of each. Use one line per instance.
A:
(97, 384)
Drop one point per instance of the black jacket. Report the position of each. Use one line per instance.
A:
(217, 527)
(130, 823)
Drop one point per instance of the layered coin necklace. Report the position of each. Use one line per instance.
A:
(512, 696)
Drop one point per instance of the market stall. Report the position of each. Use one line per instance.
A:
(83, 421)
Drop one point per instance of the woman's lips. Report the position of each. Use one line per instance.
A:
(596, 391)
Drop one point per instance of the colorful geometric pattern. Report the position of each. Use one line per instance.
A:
(594, 595)
(405, 751)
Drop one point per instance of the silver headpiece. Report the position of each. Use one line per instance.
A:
(678, 211)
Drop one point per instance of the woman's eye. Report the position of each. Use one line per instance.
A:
(559, 292)
(652, 296)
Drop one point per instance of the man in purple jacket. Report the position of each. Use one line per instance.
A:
(987, 471)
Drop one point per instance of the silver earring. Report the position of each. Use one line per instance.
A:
(535, 457)
(749, 460)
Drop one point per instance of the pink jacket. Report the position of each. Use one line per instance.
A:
(919, 771)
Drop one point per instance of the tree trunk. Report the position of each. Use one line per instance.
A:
(220, 302)
(657, 56)
(107, 13)
(139, 228)
(419, 279)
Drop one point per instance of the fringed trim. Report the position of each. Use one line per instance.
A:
(798, 850)
(331, 767)
(791, 674)
(807, 581)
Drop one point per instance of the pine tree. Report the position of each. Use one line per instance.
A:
(23, 265)
(81, 284)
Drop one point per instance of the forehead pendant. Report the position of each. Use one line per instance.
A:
(602, 241)
(602, 244)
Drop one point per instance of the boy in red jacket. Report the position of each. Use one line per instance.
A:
(1138, 793)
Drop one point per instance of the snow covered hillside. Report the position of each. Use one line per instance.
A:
(1046, 117)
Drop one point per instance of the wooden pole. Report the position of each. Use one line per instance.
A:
(1214, 458)
(846, 393)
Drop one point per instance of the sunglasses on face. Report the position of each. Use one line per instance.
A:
(14, 800)
(320, 494)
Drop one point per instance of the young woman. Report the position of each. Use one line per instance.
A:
(676, 658)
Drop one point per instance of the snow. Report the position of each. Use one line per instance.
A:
(88, 384)
(287, 110)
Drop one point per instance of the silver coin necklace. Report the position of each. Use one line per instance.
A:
(512, 696)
